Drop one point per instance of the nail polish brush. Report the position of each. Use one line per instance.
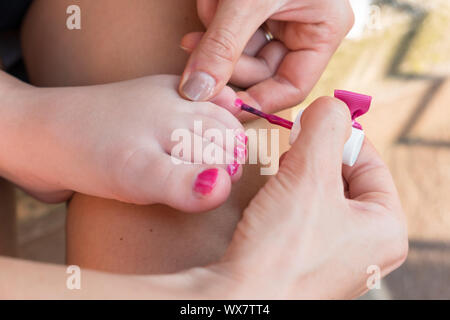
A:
(358, 104)
(269, 117)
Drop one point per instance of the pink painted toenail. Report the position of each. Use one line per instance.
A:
(206, 181)
(233, 168)
(240, 153)
(242, 138)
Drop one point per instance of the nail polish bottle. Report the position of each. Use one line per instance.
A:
(358, 105)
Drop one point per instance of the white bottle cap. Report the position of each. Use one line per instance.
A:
(352, 147)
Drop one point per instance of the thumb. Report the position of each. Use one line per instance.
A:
(212, 62)
(317, 152)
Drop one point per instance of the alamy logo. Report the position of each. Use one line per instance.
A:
(74, 279)
(374, 280)
(73, 21)
(205, 146)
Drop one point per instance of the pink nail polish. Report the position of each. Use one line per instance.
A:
(241, 137)
(233, 168)
(206, 181)
(240, 152)
(269, 117)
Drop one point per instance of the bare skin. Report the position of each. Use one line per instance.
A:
(119, 40)
(287, 245)
(330, 262)
(109, 235)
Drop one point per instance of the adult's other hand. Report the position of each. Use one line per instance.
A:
(307, 234)
(276, 74)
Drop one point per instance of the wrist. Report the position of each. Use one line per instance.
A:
(214, 282)
(234, 281)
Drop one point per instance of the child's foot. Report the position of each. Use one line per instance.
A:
(135, 141)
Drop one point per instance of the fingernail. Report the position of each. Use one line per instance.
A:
(295, 131)
(199, 87)
(233, 168)
(206, 181)
(184, 48)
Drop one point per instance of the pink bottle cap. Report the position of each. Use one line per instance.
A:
(358, 105)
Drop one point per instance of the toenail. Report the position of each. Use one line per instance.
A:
(240, 153)
(206, 181)
(232, 169)
(241, 137)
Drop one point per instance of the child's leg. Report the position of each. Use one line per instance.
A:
(121, 40)
(118, 40)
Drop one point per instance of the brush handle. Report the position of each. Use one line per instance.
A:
(280, 121)
(269, 117)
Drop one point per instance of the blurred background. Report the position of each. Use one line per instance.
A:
(398, 52)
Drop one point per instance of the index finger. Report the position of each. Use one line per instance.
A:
(311, 31)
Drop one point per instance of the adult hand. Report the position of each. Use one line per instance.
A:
(307, 234)
(278, 74)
